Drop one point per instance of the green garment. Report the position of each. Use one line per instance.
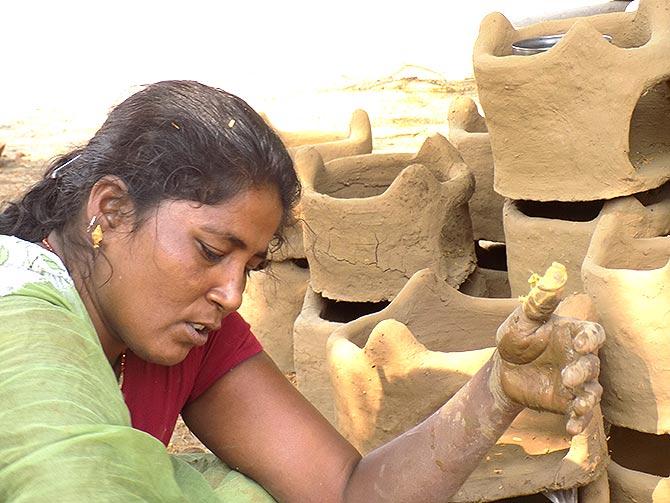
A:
(65, 433)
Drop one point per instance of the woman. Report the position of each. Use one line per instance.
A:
(124, 268)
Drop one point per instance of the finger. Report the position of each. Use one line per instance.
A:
(577, 424)
(588, 338)
(588, 398)
(586, 368)
(583, 404)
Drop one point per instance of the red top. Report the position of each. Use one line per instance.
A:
(156, 394)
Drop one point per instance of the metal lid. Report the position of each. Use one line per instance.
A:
(536, 45)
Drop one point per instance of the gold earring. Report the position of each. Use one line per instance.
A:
(96, 236)
(96, 233)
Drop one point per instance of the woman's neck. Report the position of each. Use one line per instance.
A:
(112, 345)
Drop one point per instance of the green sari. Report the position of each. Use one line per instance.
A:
(65, 432)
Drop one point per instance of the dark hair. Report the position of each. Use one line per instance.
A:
(178, 140)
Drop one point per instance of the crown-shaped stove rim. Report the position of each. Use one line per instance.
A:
(437, 162)
(464, 116)
(360, 129)
(631, 32)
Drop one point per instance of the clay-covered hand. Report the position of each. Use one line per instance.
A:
(549, 362)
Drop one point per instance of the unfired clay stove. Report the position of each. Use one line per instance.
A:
(371, 221)
(586, 120)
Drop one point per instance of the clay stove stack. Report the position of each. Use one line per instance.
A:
(581, 123)
(579, 136)
(370, 221)
(273, 299)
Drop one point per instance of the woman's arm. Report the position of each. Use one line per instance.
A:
(258, 423)
(431, 461)
(255, 421)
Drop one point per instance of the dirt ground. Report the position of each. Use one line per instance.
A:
(403, 108)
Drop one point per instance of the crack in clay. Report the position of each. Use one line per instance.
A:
(388, 269)
(338, 259)
(376, 264)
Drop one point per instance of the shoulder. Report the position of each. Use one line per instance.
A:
(28, 270)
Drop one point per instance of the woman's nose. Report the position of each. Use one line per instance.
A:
(228, 294)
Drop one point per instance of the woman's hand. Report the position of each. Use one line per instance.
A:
(549, 362)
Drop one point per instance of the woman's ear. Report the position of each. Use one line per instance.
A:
(110, 202)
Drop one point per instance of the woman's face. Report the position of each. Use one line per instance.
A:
(176, 277)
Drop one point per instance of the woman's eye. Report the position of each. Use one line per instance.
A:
(209, 253)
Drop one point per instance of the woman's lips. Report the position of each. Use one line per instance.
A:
(198, 337)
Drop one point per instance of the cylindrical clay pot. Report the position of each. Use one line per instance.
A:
(468, 133)
(627, 274)
(292, 247)
(392, 369)
(541, 233)
(631, 486)
(371, 221)
(271, 302)
(589, 119)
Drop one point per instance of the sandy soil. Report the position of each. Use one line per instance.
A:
(403, 108)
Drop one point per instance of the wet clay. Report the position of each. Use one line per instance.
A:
(559, 121)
